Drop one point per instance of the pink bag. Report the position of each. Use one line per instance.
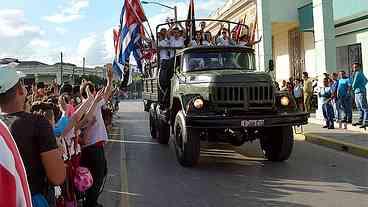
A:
(82, 179)
(71, 204)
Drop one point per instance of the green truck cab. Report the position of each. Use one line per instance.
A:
(215, 94)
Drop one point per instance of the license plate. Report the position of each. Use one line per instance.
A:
(252, 123)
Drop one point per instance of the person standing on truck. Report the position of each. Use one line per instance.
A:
(224, 39)
(163, 42)
(207, 41)
(176, 41)
(203, 26)
(244, 40)
(234, 38)
(197, 41)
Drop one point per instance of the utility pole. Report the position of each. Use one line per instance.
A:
(176, 13)
(61, 68)
(84, 65)
(73, 75)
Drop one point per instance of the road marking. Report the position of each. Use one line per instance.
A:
(227, 154)
(131, 142)
(123, 193)
(124, 173)
(139, 136)
(114, 135)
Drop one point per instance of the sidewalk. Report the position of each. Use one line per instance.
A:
(353, 140)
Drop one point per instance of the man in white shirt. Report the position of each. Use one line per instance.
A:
(163, 42)
(176, 40)
(224, 39)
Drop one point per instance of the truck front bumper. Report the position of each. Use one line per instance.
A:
(224, 122)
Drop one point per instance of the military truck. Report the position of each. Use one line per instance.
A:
(215, 94)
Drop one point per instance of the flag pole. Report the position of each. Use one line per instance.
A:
(152, 35)
(140, 21)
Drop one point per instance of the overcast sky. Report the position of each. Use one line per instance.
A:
(39, 30)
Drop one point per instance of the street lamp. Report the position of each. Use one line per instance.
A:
(169, 7)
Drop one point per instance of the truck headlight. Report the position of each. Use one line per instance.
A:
(285, 101)
(198, 103)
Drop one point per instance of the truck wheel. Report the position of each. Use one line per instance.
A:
(162, 132)
(187, 142)
(152, 123)
(277, 144)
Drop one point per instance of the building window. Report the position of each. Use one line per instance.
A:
(347, 55)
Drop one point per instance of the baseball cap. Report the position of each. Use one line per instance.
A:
(9, 78)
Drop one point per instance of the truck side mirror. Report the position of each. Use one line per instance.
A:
(271, 66)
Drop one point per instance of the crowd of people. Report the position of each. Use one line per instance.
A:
(338, 94)
(177, 36)
(56, 138)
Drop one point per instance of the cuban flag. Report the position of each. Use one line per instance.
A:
(117, 67)
(129, 38)
(13, 178)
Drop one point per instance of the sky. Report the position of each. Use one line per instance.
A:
(40, 30)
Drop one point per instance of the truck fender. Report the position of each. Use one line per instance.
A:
(153, 110)
(181, 116)
(176, 106)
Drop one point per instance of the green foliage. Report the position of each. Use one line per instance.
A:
(94, 79)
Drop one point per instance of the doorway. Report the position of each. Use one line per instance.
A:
(296, 54)
(347, 55)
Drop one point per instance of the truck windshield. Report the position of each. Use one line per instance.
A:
(218, 60)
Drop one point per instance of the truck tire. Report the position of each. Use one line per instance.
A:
(162, 132)
(277, 144)
(152, 123)
(187, 142)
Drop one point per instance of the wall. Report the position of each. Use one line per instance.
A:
(344, 8)
(286, 10)
(280, 35)
(354, 38)
(309, 53)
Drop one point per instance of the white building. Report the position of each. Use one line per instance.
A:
(316, 36)
(41, 72)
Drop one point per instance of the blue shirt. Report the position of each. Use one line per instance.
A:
(298, 91)
(325, 94)
(359, 82)
(343, 87)
(61, 125)
(334, 86)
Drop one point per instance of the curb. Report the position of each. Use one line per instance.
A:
(350, 127)
(337, 145)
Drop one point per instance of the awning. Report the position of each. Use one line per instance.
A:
(306, 22)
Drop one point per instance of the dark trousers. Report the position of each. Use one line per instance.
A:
(362, 107)
(93, 158)
(328, 114)
(343, 105)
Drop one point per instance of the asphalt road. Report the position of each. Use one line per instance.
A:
(143, 173)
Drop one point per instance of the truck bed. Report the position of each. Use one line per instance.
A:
(150, 89)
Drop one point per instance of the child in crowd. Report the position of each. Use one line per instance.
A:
(298, 94)
(325, 95)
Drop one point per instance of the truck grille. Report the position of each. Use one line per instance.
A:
(243, 98)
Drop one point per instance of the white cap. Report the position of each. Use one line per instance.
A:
(9, 77)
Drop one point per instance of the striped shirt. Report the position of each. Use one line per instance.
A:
(13, 178)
